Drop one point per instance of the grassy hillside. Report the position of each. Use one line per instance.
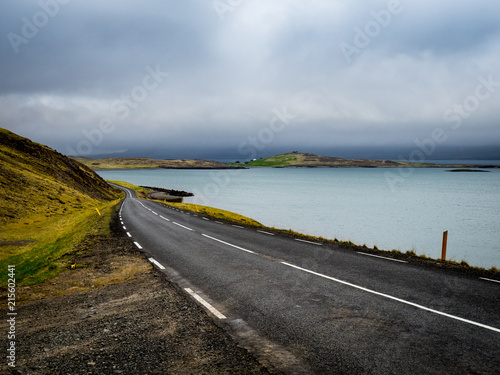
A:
(276, 161)
(37, 179)
(47, 203)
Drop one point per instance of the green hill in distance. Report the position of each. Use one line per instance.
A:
(308, 160)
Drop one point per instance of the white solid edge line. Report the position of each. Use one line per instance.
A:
(262, 231)
(210, 308)
(137, 244)
(128, 234)
(229, 244)
(379, 256)
(158, 264)
(181, 225)
(314, 243)
(394, 298)
(484, 278)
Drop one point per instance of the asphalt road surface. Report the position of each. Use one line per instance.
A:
(312, 308)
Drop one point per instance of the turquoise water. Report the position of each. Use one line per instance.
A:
(405, 209)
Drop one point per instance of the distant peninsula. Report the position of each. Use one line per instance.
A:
(287, 160)
(147, 163)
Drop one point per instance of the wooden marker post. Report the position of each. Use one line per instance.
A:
(445, 242)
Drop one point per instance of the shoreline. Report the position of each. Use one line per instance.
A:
(432, 166)
(408, 256)
(288, 160)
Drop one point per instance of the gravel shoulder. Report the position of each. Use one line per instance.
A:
(114, 314)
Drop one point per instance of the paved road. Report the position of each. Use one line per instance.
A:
(319, 309)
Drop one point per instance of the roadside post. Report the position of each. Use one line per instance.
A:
(445, 242)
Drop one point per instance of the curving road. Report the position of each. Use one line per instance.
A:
(312, 308)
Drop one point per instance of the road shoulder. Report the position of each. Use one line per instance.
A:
(114, 313)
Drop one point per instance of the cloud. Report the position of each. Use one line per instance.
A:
(226, 75)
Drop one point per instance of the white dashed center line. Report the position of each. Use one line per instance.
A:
(393, 298)
(182, 226)
(229, 244)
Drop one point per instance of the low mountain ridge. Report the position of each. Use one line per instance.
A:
(139, 163)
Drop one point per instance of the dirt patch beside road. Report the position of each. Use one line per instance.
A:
(113, 313)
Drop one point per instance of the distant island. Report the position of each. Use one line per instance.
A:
(466, 170)
(287, 160)
(308, 160)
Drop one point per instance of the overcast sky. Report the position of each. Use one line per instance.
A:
(242, 78)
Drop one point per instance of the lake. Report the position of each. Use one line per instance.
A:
(402, 209)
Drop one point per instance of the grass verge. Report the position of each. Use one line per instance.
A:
(216, 213)
(37, 245)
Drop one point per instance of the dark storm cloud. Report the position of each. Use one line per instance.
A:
(201, 76)
(97, 46)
